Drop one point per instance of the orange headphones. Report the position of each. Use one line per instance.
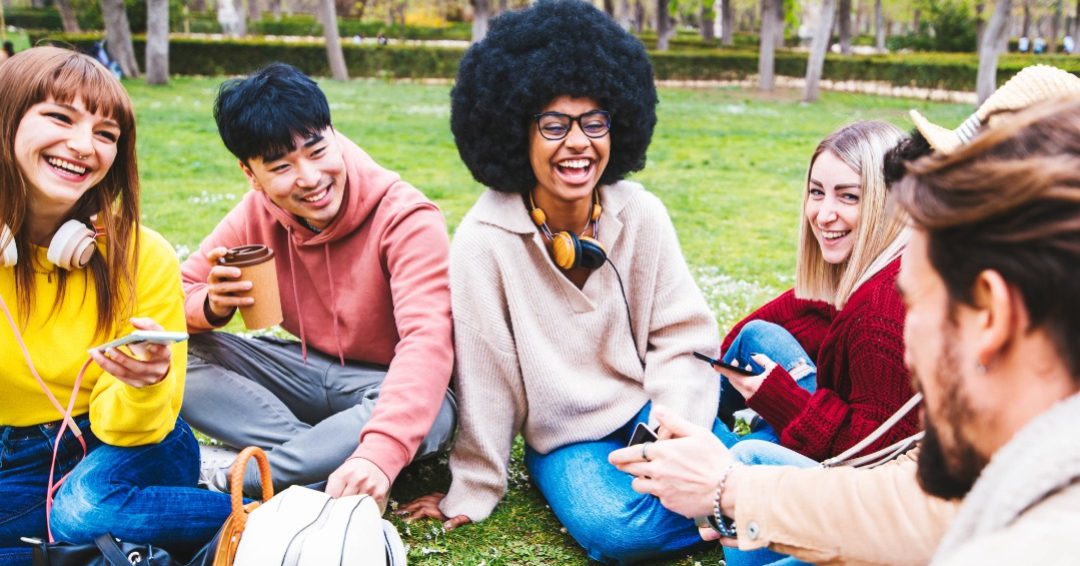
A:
(569, 249)
(71, 247)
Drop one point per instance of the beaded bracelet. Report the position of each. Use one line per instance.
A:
(720, 523)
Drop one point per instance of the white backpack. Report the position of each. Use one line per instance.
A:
(304, 527)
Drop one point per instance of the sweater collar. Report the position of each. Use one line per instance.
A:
(508, 212)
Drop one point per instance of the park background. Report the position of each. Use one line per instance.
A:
(741, 109)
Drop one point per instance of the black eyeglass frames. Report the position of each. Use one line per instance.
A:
(556, 125)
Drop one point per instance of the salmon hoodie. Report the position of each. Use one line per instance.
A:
(372, 287)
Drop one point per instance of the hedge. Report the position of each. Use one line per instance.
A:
(190, 56)
(348, 27)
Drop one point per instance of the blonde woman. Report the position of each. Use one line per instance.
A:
(827, 356)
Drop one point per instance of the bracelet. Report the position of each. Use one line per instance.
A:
(720, 523)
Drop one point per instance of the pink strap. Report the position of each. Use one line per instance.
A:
(296, 298)
(67, 422)
(333, 303)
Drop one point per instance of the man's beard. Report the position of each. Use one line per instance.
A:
(949, 475)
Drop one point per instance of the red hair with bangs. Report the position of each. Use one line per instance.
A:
(61, 75)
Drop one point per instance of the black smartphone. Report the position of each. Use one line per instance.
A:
(642, 433)
(718, 363)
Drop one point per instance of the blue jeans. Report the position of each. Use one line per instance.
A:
(761, 337)
(764, 453)
(596, 504)
(143, 494)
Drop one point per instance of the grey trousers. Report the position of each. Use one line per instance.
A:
(307, 417)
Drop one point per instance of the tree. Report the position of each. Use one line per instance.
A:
(157, 42)
(818, 48)
(844, 25)
(254, 11)
(727, 22)
(767, 47)
(481, 12)
(67, 16)
(986, 80)
(625, 16)
(118, 34)
(664, 27)
(707, 17)
(334, 55)
(1055, 26)
(879, 27)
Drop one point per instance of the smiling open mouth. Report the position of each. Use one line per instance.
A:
(66, 166)
(832, 235)
(318, 195)
(575, 169)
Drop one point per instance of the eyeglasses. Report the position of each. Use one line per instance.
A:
(556, 125)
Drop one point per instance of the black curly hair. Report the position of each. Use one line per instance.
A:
(529, 58)
(907, 151)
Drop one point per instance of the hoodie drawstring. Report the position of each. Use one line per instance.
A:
(333, 303)
(296, 297)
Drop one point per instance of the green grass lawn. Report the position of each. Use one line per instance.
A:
(728, 163)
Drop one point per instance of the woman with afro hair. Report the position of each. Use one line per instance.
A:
(574, 310)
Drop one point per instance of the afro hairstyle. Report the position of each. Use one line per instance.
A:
(532, 56)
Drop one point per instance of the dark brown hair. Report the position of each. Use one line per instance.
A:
(34, 76)
(1010, 202)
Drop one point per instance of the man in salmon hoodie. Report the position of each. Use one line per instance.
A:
(361, 260)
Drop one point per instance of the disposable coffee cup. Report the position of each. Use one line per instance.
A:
(256, 263)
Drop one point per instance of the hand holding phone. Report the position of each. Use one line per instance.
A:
(720, 364)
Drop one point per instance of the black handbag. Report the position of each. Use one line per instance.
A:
(107, 550)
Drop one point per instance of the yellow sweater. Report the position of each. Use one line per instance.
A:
(58, 341)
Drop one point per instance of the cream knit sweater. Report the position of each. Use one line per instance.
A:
(535, 354)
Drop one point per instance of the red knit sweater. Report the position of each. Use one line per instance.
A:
(860, 362)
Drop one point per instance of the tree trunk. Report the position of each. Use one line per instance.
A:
(663, 25)
(639, 16)
(197, 6)
(481, 11)
(609, 7)
(334, 55)
(1025, 27)
(157, 42)
(727, 22)
(916, 20)
(1055, 27)
(781, 23)
(879, 27)
(819, 46)
(625, 16)
(986, 81)
(118, 34)
(254, 11)
(708, 21)
(67, 16)
(767, 45)
(1076, 30)
(844, 23)
(980, 24)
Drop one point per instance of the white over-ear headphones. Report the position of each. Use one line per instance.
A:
(71, 247)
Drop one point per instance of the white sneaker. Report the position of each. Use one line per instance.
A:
(214, 464)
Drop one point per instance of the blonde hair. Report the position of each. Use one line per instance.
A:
(34, 76)
(861, 146)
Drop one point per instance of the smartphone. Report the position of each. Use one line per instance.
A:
(137, 336)
(720, 364)
(642, 433)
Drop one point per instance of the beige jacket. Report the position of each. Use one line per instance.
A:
(841, 515)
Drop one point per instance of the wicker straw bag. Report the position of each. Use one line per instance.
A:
(229, 537)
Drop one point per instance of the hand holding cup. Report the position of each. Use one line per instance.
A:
(225, 286)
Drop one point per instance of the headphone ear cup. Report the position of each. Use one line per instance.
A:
(72, 246)
(9, 256)
(567, 249)
(591, 253)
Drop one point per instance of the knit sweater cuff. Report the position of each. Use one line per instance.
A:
(779, 399)
(476, 504)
